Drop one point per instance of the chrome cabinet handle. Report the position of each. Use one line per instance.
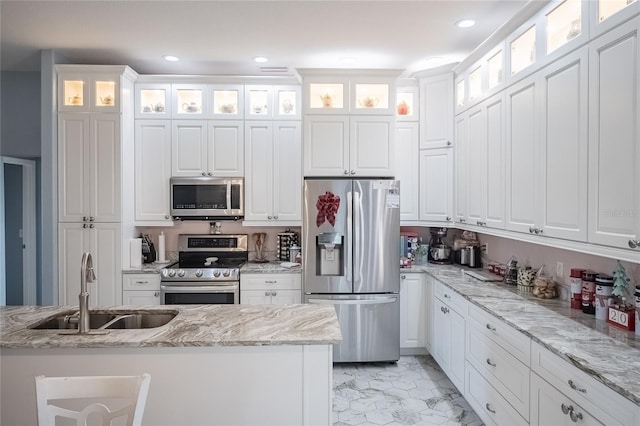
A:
(531, 228)
(166, 216)
(491, 363)
(91, 218)
(275, 217)
(84, 225)
(490, 327)
(270, 281)
(575, 387)
(634, 243)
(91, 226)
(267, 293)
(447, 296)
(273, 293)
(575, 416)
(448, 218)
(142, 282)
(269, 217)
(463, 220)
(489, 409)
(210, 174)
(565, 409)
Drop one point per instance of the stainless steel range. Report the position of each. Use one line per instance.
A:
(207, 271)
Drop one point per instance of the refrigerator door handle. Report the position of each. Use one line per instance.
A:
(376, 301)
(359, 226)
(349, 235)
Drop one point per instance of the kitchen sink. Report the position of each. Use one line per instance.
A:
(106, 320)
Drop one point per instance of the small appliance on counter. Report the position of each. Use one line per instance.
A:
(466, 250)
(439, 252)
(148, 249)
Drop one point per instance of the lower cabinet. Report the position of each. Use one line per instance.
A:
(413, 311)
(141, 289)
(449, 333)
(270, 289)
(103, 241)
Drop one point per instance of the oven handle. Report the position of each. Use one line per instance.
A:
(199, 289)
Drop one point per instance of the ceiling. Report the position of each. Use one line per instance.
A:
(222, 37)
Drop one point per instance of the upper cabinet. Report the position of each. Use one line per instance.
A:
(608, 14)
(81, 91)
(272, 103)
(153, 101)
(227, 101)
(189, 101)
(436, 112)
(407, 103)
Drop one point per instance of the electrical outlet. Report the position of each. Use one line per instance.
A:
(559, 270)
(486, 249)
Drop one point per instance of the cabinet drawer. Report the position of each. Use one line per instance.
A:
(141, 281)
(500, 368)
(451, 298)
(604, 403)
(513, 341)
(492, 408)
(270, 281)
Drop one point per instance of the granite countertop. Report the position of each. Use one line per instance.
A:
(195, 325)
(605, 352)
(272, 267)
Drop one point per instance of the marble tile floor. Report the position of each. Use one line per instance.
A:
(414, 391)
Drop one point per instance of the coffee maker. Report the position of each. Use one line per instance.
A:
(439, 252)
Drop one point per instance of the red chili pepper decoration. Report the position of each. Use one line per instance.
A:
(327, 206)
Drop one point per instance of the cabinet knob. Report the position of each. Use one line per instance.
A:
(575, 416)
(346, 172)
(531, 228)
(448, 143)
(403, 276)
(489, 409)
(565, 409)
(490, 327)
(353, 172)
(269, 217)
(448, 218)
(166, 216)
(447, 296)
(266, 293)
(209, 174)
(91, 226)
(156, 294)
(463, 220)
(273, 293)
(91, 218)
(634, 243)
(491, 363)
(275, 217)
(84, 225)
(204, 174)
(84, 218)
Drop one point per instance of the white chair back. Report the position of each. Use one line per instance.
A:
(129, 390)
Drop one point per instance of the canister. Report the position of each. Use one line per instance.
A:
(589, 292)
(604, 289)
(575, 281)
(511, 273)
(638, 310)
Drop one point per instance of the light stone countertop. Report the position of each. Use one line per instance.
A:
(272, 267)
(605, 352)
(195, 325)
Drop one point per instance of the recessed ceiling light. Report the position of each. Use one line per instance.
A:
(348, 60)
(260, 59)
(171, 58)
(465, 23)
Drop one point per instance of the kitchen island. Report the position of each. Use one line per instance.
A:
(210, 365)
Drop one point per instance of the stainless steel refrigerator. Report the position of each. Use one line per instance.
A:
(351, 240)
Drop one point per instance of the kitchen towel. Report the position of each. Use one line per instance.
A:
(135, 252)
(161, 254)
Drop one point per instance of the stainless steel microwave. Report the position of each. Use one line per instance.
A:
(207, 198)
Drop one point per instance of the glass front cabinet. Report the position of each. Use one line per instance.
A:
(153, 100)
(227, 101)
(272, 102)
(89, 92)
(407, 103)
(188, 101)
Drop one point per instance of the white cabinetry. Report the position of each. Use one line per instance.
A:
(207, 148)
(348, 146)
(273, 184)
(449, 310)
(89, 167)
(561, 394)
(430, 284)
(407, 169)
(270, 289)
(614, 137)
(152, 154)
(461, 168)
(413, 311)
(102, 240)
(436, 184)
(436, 111)
(141, 289)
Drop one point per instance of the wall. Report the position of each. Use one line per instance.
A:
(20, 108)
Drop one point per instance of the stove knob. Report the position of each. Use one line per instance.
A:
(164, 272)
(226, 273)
(172, 272)
(216, 274)
(181, 273)
(199, 273)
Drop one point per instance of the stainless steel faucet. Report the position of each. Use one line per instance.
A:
(87, 274)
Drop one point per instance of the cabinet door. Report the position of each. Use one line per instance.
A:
(73, 240)
(144, 297)
(406, 168)
(436, 111)
(549, 406)
(461, 166)
(522, 155)
(255, 297)
(495, 169)
(105, 245)
(441, 335)
(225, 150)
(189, 148)
(104, 168)
(563, 148)
(326, 146)
(614, 136)
(259, 177)
(477, 149)
(152, 154)
(371, 146)
(73, 167)
(286, 297)
(436, 184)
(287, 171)
(457, 353)
(413, 311)
(429, 315)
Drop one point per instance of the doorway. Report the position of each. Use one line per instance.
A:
(18, 262)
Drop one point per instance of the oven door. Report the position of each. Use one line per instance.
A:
(185, 293)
